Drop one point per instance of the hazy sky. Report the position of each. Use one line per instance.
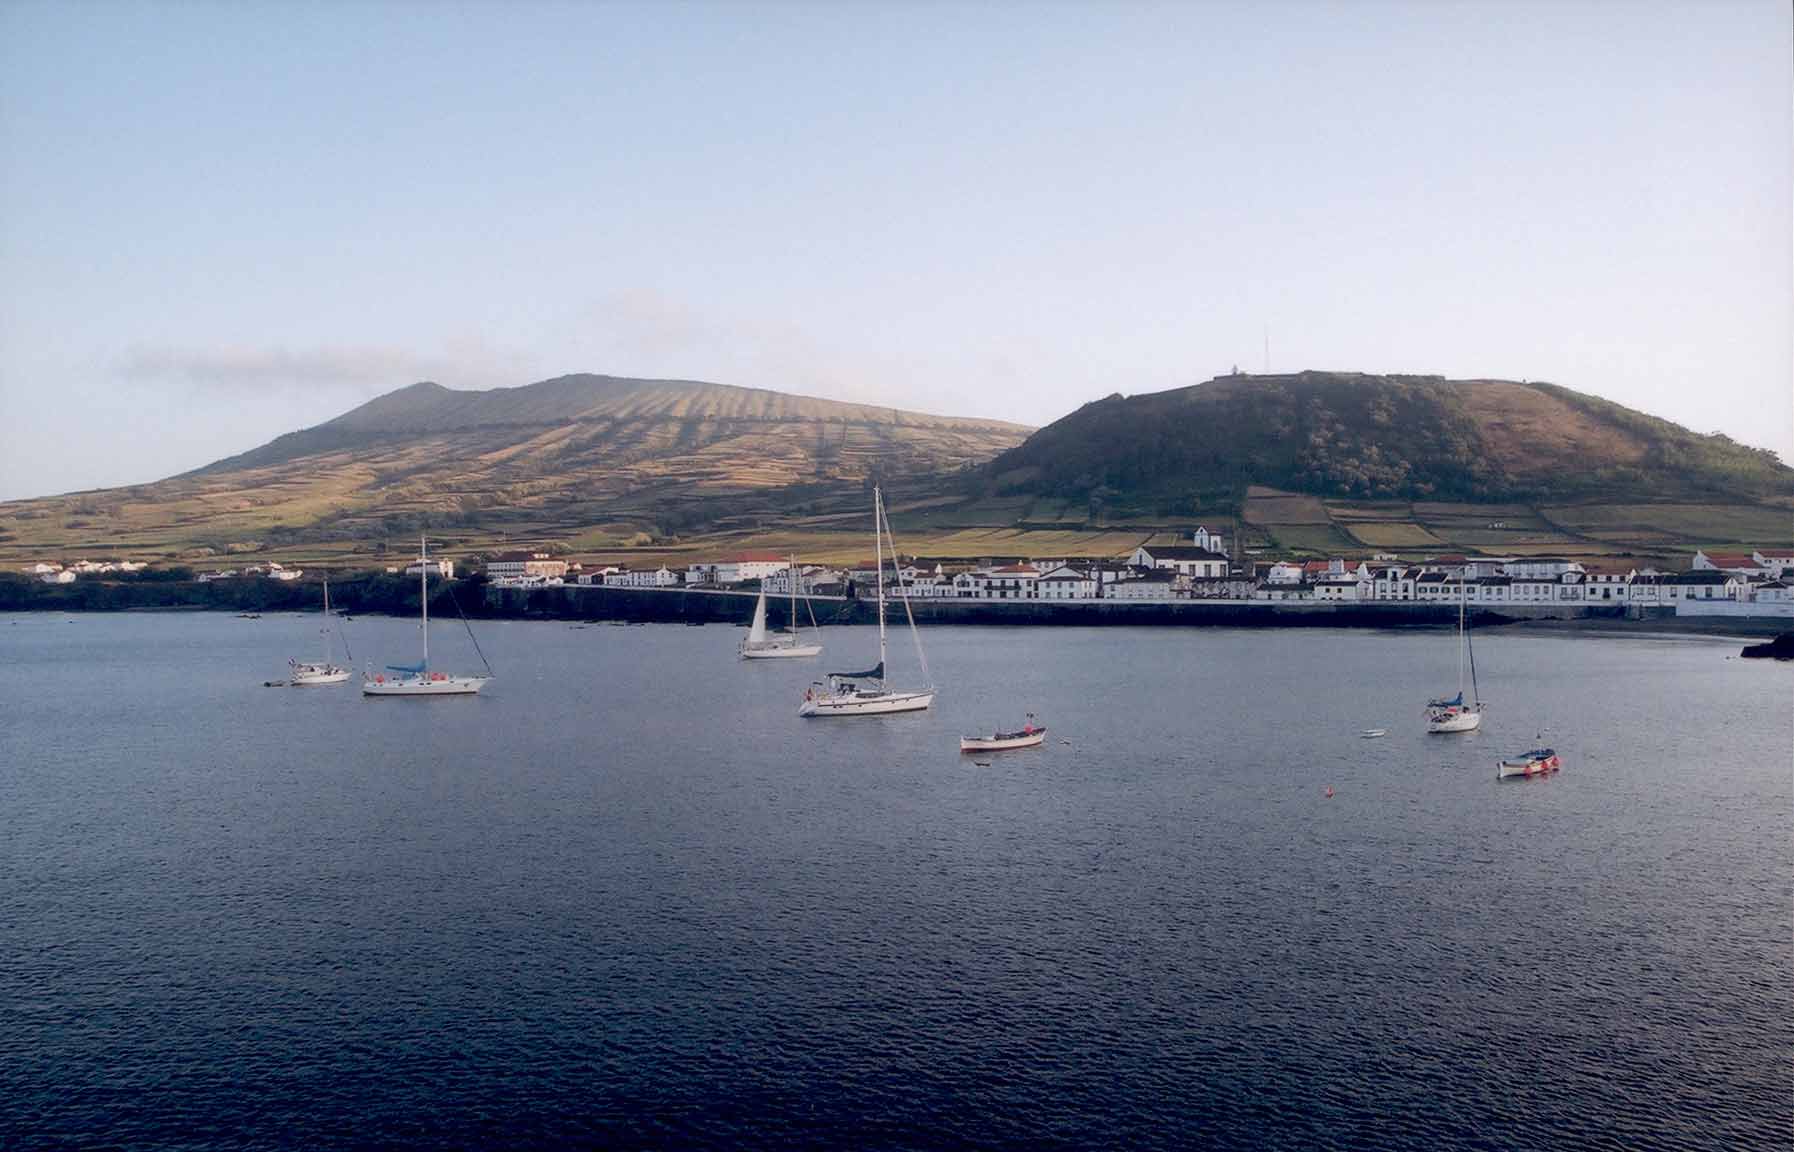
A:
(221, 222)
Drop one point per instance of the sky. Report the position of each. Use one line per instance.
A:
(221, 222)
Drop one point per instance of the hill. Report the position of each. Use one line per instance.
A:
(579, 460)
(1353, 436)
(643, 470)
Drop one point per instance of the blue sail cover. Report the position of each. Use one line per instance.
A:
(413, 669)
(1455, 702)
(877, 673)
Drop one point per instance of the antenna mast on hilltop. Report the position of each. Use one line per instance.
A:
(1267, 349)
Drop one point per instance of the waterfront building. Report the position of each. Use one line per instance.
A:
(512, 565)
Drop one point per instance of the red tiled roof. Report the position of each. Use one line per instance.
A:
(1731, 560)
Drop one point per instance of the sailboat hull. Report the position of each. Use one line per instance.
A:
(781, 652)
(307, 676)
(1463, 721)
(436, 685)
(865, 704)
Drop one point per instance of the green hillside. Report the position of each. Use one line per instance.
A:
(1352, 436)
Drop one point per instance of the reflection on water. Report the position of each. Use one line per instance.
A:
(629, 896)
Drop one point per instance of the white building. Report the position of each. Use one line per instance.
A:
(1394, 582)
(808, 578)
(1778, 563)
(1741, 563)
(442, 568)
(1534, 566)
(1160, 585)
(511, 565)
(1343, 587)
(1066, 583)
(1283, 572)
(661, 577)
(1196, 563)
(66, 576)
(1009, 582)
(1284, 591)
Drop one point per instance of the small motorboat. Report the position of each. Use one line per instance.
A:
(1537, 762)
(1030, 735)
(1373, 733)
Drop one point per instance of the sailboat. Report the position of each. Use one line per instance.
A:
(1455, 714)
(759, 645)
(417, 679)
(868, 693)
(324, 671)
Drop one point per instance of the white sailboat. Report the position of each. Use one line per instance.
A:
(867, 693)
(1457, 714)
(325, 671)
(759, 645)
(417, 679)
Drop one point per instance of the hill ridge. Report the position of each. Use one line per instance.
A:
(1367, 436)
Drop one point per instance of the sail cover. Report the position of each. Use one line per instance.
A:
(414, 669)
(1455, 702)
(877, 673)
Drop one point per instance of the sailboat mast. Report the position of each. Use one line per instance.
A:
(326, 629)
(423, 584)
(878, 560)
(791, 571)
(1460, 634)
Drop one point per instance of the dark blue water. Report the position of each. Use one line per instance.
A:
(629, 898)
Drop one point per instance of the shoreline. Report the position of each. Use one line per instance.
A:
(383, 595)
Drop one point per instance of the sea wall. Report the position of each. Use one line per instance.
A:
(706, 606)
(394, 595)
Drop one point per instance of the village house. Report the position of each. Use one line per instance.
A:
(1284, 572)
(807, 578)
(1773, 591)
(1154, 584)
(1394, 582)
(1777, 563)
(1196, 562)
(65, 576)
(1605, 582)
(1706, 583)
(1738, 563)
(442, 568)
(1537, 566)
(661, 577)
(1066, 583)
(514, 565)
(1343, 586)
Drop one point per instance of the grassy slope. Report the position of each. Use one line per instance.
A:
(649, 470)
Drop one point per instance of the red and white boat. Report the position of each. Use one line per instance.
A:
(1537, 762)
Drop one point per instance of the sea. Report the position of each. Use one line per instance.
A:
(628, 898)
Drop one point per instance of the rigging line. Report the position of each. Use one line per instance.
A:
(897, 567)
(469, 626)
(1470, 649)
